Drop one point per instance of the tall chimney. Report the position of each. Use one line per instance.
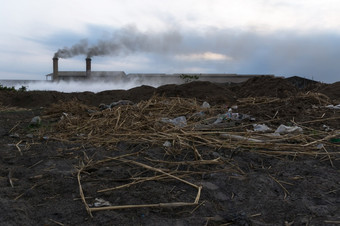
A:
(88, 66)
(55, 68)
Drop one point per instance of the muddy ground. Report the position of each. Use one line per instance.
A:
(246, 186)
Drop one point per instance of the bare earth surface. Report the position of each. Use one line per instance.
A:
(129, 165)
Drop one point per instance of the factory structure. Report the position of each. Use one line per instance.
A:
(120, 76)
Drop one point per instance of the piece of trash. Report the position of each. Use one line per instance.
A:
(327, 128)
(30, 135)
(231, 116)
(331, 106)
(180, 121)
(14, 135)
(282, 129)
(121, 102)
(167, 144)
(237, 137)
(64, 115)
(335, 140)
(261, 128)
(200, 114)
(103, 106)
(320, 146)
(36, 121)
(45, 137)
(101, 202)
(205, 105)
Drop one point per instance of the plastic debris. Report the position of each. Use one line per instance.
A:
(121, 102)
(261, 128)
(327, 128)
(36, 121)
(319, 146)
(205, 105)
(335, 140)
(231, 116)
(114, 104)
(14, 135)
(180, 121)
(30, 135)
(237, 137)
(336, 107)
(282, 129)
(101, 202)
(167, 144)
(200, 114)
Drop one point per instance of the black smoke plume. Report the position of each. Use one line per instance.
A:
(124, 41)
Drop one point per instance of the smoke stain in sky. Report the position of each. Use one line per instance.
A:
(124, 41)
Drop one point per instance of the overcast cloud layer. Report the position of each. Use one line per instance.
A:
(281, 37)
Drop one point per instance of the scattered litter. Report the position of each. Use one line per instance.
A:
(336, 107)
(335, 140)
(237, 137)
(180, 121)
(200, 114)
(30, 135)
(114, 104)
(36, 121)
(167, 144)
(121, 102)
(205, 105)
(101, 202)
(46, 137)
(327, 128)
(232, 116)
(261, 128)
(282, 129)
(14, 135)
(320, 146)
(64, 115)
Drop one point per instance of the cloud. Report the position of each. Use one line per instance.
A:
(206, 56)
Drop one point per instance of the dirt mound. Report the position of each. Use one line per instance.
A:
(266, 86)
(332, 91)
(303, 83)
(206, 91)
(201, 90)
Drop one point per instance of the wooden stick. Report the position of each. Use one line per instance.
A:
(81, 192)
(17, 145)
(160, 205)
(160, 171)
(10, 178)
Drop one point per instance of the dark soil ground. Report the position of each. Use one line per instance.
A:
(38, 174)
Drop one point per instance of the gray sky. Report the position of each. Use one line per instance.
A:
(281, 37)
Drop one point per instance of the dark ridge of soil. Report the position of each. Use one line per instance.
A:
(266, 86)
(332, 91)
(205, 91)
(303, 83)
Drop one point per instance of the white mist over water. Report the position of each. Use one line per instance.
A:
(78, 86)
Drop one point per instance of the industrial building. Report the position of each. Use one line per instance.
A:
(112, 76)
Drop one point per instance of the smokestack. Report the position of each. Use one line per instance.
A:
(88, 66)
(55, 68)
